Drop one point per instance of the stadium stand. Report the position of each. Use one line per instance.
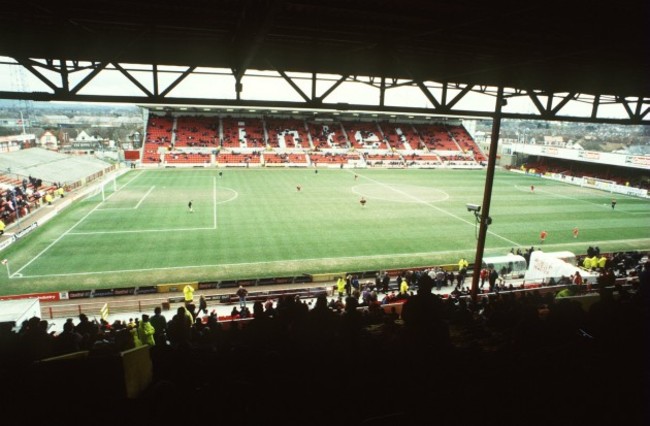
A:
(364, 135)
(382, 143)
(466, 160)
(197, 132)
(159, 131)
(399, 346)
(39, 175)
(252, 133)
(327, 135)
(285, 159)
(231, 134)
(51, 166)
(620, 175)
(185, 158)
(244, 132)
(466, 142)
(389, 159)
(287, 133)
(422, 160)
(158, 134)
(334, 159)
(436, 137)
(401, 136)
(235, 159)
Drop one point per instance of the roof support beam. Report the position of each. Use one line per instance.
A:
(428, 94)
(294, 86)
(445, 88)
(643, 114)
(594, 107)
(154, 70)
(98, 68)
(176, 82)
(394, 83)
(458, 97)
(29, 65)
(625, 104)
(64, 76)
(132, 79)
(549, 102)
(636, 108)
(73, 97)
(538, 104)
(639, 105)
(332, 88)
(562, 103)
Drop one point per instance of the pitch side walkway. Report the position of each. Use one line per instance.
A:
(90, 307)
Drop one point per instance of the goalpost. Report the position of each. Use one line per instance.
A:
(104, 189)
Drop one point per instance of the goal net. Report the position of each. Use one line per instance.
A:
(103, 190)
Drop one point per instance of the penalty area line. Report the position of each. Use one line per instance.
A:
(57, 240)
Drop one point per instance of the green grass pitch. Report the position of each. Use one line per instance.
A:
(255, 223)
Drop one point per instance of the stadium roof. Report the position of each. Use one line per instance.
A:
(50, 166)
(554, 46)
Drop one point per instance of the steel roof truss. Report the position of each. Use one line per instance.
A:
(132, 79)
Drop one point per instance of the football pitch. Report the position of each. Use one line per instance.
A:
(255, 223)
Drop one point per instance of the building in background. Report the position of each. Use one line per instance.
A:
(48, 140)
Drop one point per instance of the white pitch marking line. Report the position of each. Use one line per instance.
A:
(137, 231)
(143, 197)
(438, 208)
(131, 180)
(270, 262)
(214, 199)
(554, 194)
(60, 237)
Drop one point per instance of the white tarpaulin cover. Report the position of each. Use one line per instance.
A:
(544, 266)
